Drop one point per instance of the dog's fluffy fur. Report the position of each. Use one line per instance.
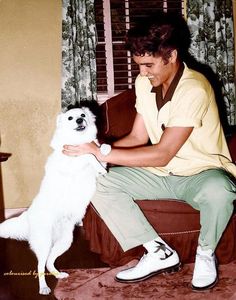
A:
(65, 191)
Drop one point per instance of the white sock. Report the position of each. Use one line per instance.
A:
(151, 246)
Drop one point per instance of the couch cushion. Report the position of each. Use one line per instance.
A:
(170, 215)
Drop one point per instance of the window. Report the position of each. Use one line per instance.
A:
(116, 71)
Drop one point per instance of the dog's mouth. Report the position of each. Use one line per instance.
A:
(80, 128)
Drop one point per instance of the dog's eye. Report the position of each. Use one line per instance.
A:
(70, 118)
(83, 115)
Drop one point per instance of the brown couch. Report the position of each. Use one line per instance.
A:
(175, 221)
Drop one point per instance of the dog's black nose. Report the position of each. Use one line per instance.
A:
(79, 121)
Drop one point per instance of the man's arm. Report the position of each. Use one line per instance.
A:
(157, 155)
(137, 154)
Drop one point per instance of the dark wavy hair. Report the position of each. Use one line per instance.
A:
(159, 35)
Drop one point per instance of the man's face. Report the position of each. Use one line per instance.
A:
(155, 69)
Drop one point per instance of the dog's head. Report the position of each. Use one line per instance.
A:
(75, 126)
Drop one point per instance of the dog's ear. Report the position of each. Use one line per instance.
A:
(89, 113)
(92, 105)
(72, 106)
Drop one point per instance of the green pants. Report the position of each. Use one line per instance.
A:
(212, 192)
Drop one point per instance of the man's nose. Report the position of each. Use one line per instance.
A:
(143, 71)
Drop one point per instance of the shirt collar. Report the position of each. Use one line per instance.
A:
(158, 90)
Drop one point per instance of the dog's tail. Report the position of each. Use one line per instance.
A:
(15, 228)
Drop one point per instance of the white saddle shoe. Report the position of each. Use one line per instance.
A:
(163, 260)
(205, 272)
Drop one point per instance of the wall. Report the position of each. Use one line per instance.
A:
(30, 74)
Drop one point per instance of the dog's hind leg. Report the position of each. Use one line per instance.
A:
(15, 228)
(41, 245)
(60, 246)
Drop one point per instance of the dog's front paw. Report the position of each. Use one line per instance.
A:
(62, 275)
(102, 171)
(44, 290)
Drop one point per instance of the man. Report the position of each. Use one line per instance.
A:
(188, 157)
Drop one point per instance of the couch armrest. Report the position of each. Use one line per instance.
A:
(117, 116)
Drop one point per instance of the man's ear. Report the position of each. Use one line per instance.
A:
(173, 56)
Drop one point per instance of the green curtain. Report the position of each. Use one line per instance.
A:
(211, 26)
(78, 52)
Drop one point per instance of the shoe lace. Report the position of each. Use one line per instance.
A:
(207, 260)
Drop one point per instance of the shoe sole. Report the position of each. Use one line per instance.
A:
(204, 288)
(171, 269)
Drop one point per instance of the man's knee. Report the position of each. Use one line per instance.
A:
(218, 190)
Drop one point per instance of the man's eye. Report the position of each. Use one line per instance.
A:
(70, 118)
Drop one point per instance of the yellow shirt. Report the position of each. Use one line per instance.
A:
(192, 105)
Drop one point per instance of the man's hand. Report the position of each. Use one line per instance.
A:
(77, 150)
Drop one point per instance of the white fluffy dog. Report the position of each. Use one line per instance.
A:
(65, 192)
